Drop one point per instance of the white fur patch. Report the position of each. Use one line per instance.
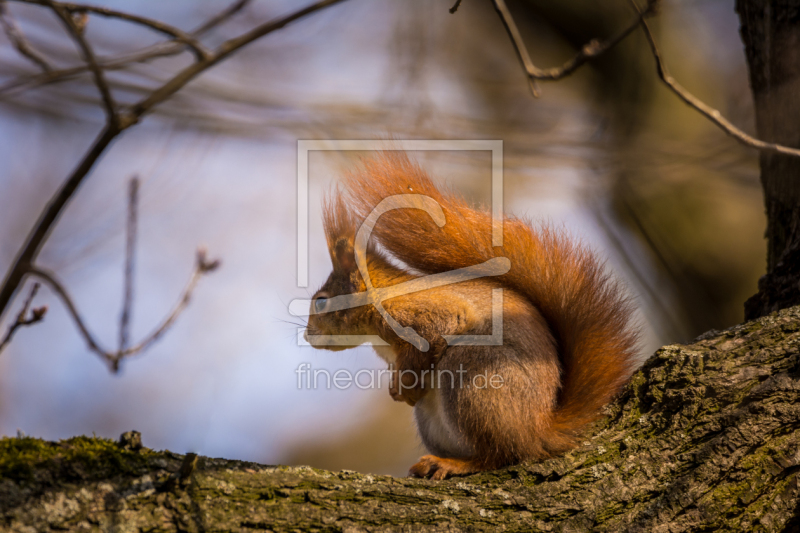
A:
(386, 353)
(438, 432)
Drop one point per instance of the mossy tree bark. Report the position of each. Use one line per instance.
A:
(705, 438)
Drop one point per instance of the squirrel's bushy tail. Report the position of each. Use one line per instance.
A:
(588, 312)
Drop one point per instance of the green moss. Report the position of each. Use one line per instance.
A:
(609, 511)
(77, 458)
(610, 453)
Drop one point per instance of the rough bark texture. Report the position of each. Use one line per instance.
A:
(771, 33)
(705, 438)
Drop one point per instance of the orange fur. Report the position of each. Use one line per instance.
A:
(560, 302)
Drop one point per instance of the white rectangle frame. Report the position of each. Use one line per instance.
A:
(306, 146)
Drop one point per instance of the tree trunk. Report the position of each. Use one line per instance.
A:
(771, 34)
(705, 437)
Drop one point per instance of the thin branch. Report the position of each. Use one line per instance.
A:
(225, 50)
(30, 250)
(36, 238)
(113, 359)
(59, 289)
(709, 112)
(455, 7)
(202, 266)
(37, 315)
(151, 52)
(91, 61)
(519, 45)
(221, 17)
(595, 48)
(589, 51)
(130, 250)
(201, 52)
(17, 38)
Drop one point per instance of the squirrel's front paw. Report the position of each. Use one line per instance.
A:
(432, 467)
(405, 386)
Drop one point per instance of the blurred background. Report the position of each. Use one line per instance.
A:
(608, 153)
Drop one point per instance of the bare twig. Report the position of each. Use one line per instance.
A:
(59, 289)
(589, 51)
(91, 61)
(225, 50)
(113, 359)
(455, 7)
(519, 45)
(130, 250)
(200, 51)
(179, 35)
(49, 216)
(221, 17)
(594, 48)
(30, 250)
(709, 112)
(202, 266)
(17, 38)
(151, 52)
(37, 315)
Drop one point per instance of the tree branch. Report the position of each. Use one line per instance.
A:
(221, 17)
(18, 39)
(37, 315)
(91, 61)
(595, 48)
(704, 438)
(590, 50)
(707, 111)
(29, 251)
(36, 238)
(224, 51)
(151, 52)
(202, 267)
(59, 289)
(113, 359)
(201, 52)
(130, 250)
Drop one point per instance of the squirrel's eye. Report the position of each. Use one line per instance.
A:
(320, 304)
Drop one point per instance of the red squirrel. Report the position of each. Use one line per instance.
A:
(568, 345)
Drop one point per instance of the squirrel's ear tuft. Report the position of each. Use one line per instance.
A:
(340, 230)
(343, 255)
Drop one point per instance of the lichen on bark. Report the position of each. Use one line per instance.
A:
(704, 438)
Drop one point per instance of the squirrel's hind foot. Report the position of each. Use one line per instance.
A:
(432, 467)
